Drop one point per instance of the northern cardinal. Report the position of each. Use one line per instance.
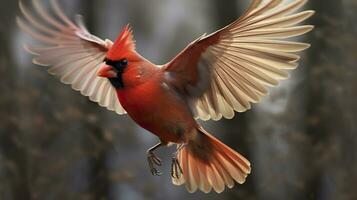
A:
(213, 77)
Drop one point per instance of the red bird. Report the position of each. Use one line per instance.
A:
(213, 77)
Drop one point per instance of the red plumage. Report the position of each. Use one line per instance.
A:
(211, 78)
(123, 45)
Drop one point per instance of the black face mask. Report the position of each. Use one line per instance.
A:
(119, 67)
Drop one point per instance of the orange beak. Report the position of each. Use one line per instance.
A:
(106, 71)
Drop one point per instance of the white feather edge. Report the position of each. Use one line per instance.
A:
(252, 51)
(69, 39)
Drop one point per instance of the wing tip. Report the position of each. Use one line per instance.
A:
(29, 50)
(311, 12)
(36, 62)
(309, 27)
(21, 6)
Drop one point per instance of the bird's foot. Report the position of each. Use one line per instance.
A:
(153, 161)
(176, 170)
(155, 172)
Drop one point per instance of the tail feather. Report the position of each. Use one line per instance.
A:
(209, 164)
(221, 168)
(192, 173)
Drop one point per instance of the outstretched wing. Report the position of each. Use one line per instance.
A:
(73, 54)
(231, 68)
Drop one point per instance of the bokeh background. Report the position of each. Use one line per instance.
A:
(301, 140)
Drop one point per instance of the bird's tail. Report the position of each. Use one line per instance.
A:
(208, 163)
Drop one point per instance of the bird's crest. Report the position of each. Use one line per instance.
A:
(123, 45)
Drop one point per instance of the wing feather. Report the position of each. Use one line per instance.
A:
(241, 60)
(70, 51)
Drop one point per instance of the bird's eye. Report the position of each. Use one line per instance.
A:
(123, 62)
(118, 65)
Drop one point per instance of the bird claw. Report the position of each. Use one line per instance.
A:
(155, 172)
(154, 160)
(176, 170)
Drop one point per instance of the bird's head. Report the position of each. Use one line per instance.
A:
(119, 58)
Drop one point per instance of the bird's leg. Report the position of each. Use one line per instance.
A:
(176, 170)
(154, 160)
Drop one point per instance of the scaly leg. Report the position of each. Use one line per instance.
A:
(154, 160)
(176, 170)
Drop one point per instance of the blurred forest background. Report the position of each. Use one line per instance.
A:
(301, 140)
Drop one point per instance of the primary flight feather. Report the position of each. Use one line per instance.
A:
(213, 77)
